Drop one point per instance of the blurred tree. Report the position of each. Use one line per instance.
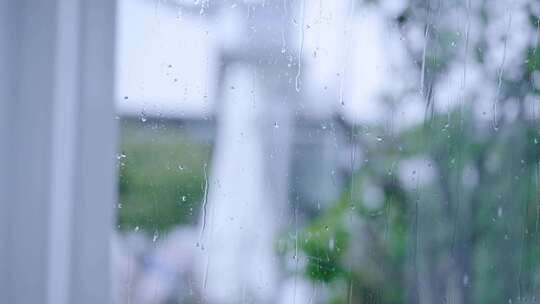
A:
(458, 224)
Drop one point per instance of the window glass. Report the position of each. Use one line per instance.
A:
(327, 151)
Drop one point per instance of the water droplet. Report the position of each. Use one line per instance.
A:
(155, 237)
(200, 245)
(276, 125)
(143, 116)
(136, 229)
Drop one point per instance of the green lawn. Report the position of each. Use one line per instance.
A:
(161, 176)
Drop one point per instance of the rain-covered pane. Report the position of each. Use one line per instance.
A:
(327, 151)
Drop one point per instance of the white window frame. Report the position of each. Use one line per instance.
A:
(57, 150)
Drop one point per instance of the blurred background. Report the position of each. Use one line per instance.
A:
(327, 151)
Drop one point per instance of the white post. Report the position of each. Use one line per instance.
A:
(57, 150)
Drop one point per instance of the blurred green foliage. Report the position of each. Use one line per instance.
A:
(161, 176)
(469, 231)
(485, 232)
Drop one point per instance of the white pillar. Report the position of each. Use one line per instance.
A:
(57, 150)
